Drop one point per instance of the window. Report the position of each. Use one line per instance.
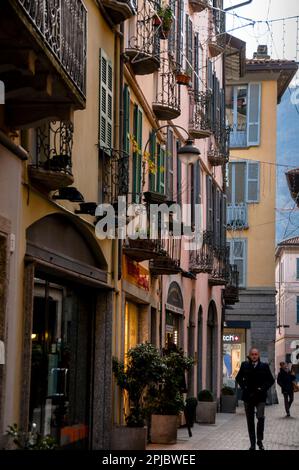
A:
(297, 268)
(189, 44)
(106, 101)
(126, 121)
(169, 164)
(238, 256)
(195, 189)
(179, 176)
(157, 166)
(243, 114)
(243, 182)
(180, 34)
(297, 309)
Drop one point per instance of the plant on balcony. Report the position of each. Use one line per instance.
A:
(183, 77)
(166, 17)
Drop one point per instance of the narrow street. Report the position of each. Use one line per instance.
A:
(230, 432)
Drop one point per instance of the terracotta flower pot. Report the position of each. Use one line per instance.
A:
(182, 79)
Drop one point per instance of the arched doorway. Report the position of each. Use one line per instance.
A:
(191, 346)
(68, 307)
(199, 349)
(174, 316)
(212, 350)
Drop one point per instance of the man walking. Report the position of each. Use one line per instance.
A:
(285, 379)
(255, 378)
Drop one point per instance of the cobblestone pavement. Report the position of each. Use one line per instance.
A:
(230, 431)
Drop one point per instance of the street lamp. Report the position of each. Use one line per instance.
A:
(188, 153)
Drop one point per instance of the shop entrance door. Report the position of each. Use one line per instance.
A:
(61, 362)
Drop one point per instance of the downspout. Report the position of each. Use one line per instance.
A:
(121, 120)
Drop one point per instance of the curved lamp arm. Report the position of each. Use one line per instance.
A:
(155, 132)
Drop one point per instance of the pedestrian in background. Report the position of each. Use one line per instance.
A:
(285, 380)
(255, 379)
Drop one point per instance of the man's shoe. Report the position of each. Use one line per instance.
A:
(252, 447)
(260, 445)
(288, 415)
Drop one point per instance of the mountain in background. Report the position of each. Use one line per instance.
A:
(287, 222)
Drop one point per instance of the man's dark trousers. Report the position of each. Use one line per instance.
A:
(260, 414)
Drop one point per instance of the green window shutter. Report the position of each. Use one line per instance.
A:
(196, 64)
(160, 171)
(189, 43)
(137, 156)
(126, 136)
(180, 33)
(253, 179)
(197, 184)
(253, 116)
(106, 101)
(297, 312)
(153, 151)
(297, 268)
(209, 203)
(223, 219)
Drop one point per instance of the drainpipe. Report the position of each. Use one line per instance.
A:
(121, 120)
(239, 5)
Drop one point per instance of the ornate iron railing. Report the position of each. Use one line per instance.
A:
(238, 136)
(200, 116)
(237, 216)
(201, 259)
(167, 103)
(220, 271)
(62, 25)
(168, 262)
(115, 167)
(54, 142)
(143, 49)
(231, 291)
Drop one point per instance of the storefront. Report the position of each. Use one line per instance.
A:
(174, 316)
(234, 353)
(67, 335)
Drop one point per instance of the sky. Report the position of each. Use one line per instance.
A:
(279, 36)
(282, 38)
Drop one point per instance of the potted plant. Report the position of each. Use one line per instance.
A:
(228, 400)
(206, 408)
(166, 18)
(183, 77)
(142, 370)
(165, 401)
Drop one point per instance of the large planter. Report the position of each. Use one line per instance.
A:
(164, 429)
(206, 412)
(128, 438)
(228, 403)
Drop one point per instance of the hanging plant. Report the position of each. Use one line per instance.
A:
(166, 19)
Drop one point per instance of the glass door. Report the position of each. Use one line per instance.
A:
(61, 362)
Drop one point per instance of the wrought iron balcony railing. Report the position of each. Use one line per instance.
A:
(169, 260)
(216, 42)
(120, 10)
(52, 168)
(62, 25)
(167, 103)
(219, 154)
(231, 291)
(220, 271)
(115, 171)
(201, 260)
(237, 216)
(200, 125)
(238, 136)
(143, 50)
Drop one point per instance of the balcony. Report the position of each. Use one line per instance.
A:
(292, 177)
(42, 59)
(120, 10)
(219, 274)
(168, 262)
(200, 126)
(167, 103)
(238, 136)
(200, 5)
(219, 155)
(237, 216)
(201, 260)
(115, 171)
(53, 157)
(231, 291)
(140, 249)
(216, 41)
(143, 50)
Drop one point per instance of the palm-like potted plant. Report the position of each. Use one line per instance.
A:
(165, 401)
(142, 370)
(228, 400)
(206, 408)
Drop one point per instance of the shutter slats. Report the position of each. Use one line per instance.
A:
(106, 102)
(253, 172)
(253, 117)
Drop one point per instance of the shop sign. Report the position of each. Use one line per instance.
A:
(231, 338)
